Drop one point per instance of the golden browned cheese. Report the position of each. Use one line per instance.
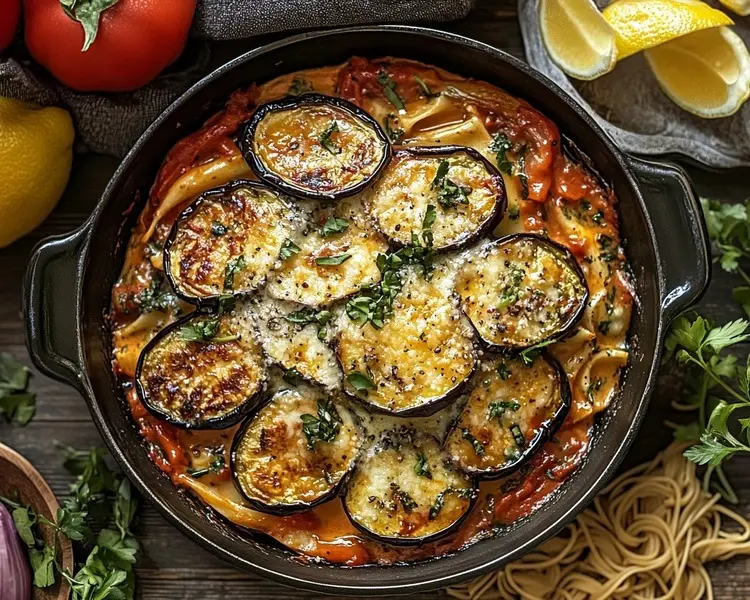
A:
(230, 241)
(301, 279)
(423, 352)
(402, 489)
(194, 382)
(506, 410)
(398, 201)
(275, 462)
(519, 292)
(291, 144)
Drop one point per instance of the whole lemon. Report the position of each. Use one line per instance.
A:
(36, 152)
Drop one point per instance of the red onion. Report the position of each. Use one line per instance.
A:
(15, 576)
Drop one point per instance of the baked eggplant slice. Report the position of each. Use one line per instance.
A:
(512, 410)
(315, 146)
(417, 362)
(466, 190)
(294, 337)
(403, 490)
(334, 257)
(295, 452)
(205, 371)
(522, 290)
(228, 240)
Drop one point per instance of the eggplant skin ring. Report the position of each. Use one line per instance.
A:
(465, 189)
(279, 466)
(522, 290)
(404, 491)
(513, 409)
(314, 146)
(227, 241)
(203, 371)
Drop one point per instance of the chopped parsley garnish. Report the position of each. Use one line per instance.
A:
(422, 468)
(598, 217)
(522, 177)
(593, 387)
(503, 371)
(323, 428)
(206, 330)
(449, 193)
(513, 213)
(476, 444)
(306, 316)
(292, 376)
(515, 430)
(218, 229)
(233, 267)
(389, 89)
(500, 145)
(529, 355)
(497, 409)
(214, 468)
(360, 381)
(400, 496)
(437, 506)
(333, 226)
(424, 88)
(288, 249)
(394, 133)
(299, 86)
(332, 261)
(156, 297)
(326, 141)
(512, 288)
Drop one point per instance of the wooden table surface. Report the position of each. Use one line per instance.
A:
(173, 567)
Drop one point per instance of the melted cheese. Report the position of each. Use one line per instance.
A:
(398, 201)
(274, 462)
(247, 224)
(519, 292)
(196, 383)
(291, 144)
(391, 495)
(507, 409)
(301, 279)
(423, 353)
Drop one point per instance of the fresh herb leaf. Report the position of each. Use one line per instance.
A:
(394, 133)
(43, 566)
(332, 261)
(439, 502)
(326, 141)
(500, 145)
(218, 229)
(206, 330)
(504, 371)
(497, 409)
(389, 89)
(476, 444)
(424, 88)
(360, 381)
(449, 193)
(299, 86)
(215, 467)
(233, 267)
(17, 405)
(422, 468)
(517, 434)
(333, 226)
(323, 428)
(288, 249)
(529, 355)
(307, 316)
(520, 171)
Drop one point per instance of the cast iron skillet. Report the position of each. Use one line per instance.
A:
(69, 279)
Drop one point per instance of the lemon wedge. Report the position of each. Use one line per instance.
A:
(642, 24)
(577, 37)
(741, 7)
(707, 72)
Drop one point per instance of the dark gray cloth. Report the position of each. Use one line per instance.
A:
(111, 123)
(630, 106)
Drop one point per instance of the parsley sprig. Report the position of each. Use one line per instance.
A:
(323, 428)
(449, 193)
(100, 500)
(389, 89)
(17, 404)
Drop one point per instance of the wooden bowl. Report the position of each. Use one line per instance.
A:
(21, 482)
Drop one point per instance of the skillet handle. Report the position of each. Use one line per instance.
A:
(682, 239)
(51, 297)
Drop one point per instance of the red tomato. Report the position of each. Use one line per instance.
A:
(10, 11)
(135, 41)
